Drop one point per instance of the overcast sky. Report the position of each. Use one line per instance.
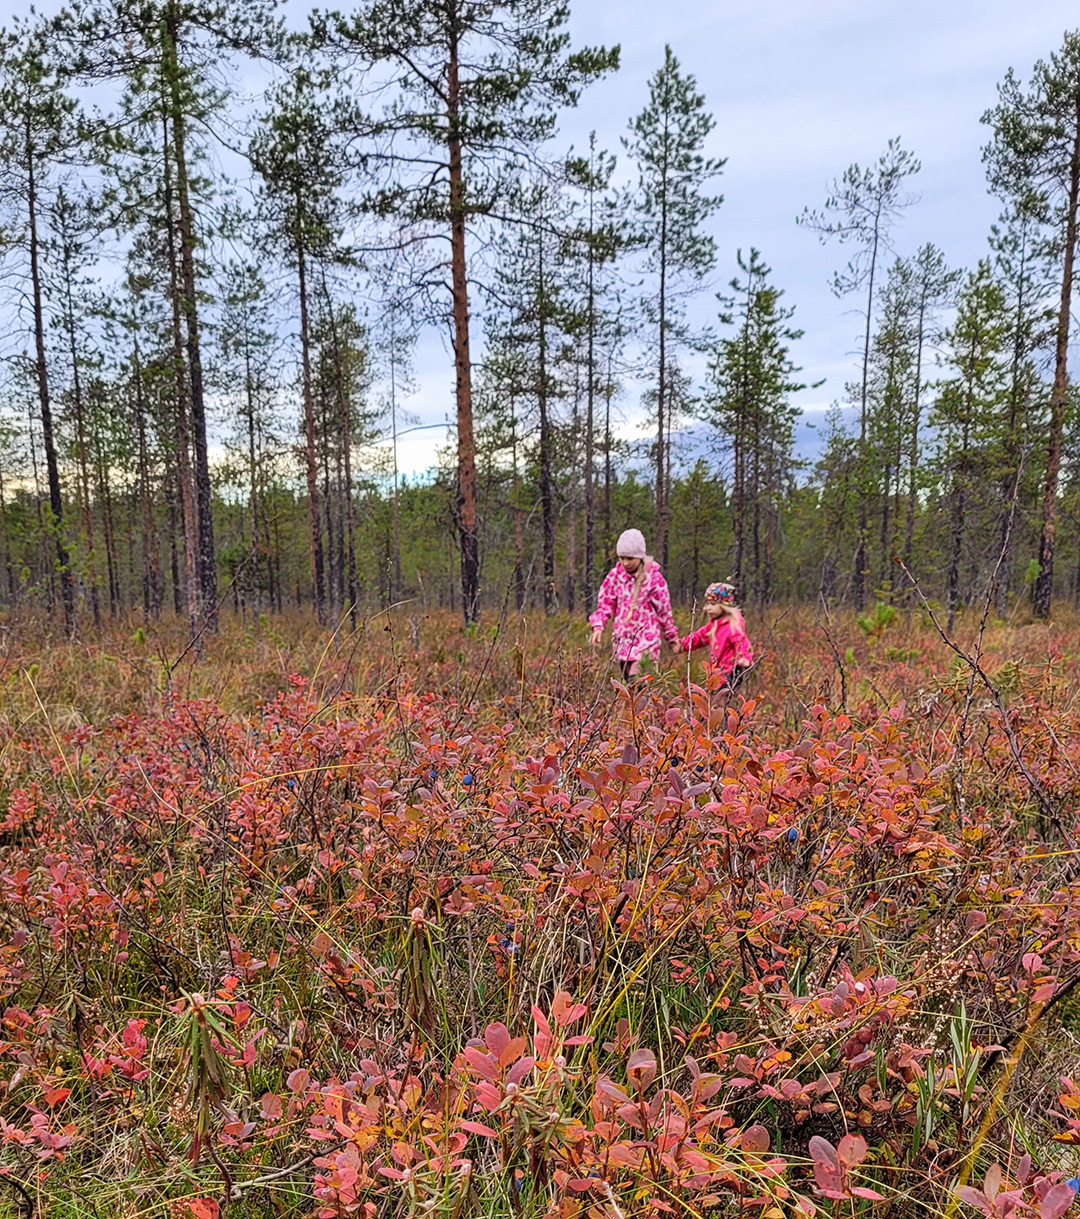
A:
(799, 89)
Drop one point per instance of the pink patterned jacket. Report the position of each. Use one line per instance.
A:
(639, 626)
(727, 644)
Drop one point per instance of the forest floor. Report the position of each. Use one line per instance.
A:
(408, 920)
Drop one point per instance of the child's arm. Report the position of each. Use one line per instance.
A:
(744, 653)
(695, 640)
(606, 604)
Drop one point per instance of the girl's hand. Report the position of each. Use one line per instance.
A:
(597, 635)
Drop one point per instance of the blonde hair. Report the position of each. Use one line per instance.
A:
(639, 579)
(731, 612)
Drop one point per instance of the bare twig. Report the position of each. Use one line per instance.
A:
(27, 1201)
(836, 654)
(1047, 805)
(239, 1188)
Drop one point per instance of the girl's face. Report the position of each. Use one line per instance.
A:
(629, 564)
(713, 609)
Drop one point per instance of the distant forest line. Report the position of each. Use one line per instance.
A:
(207, 371)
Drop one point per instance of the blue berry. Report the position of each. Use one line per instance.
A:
(793, 835)
(1074, 1184)
(467, 780)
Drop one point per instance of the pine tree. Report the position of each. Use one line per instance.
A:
(477, 91)
(595, 241)
(297, 155)
(1033, 160)
(169, 52)
(751, 376)
(861, 209)
(541, 318)
(38, 126)
(836, 475)
(247, 340)
(892, 373)
(65, 276)
(667, 141)
(933, 285)
(967, 411)
(1022, 260)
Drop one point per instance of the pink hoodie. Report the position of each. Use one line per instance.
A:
(727, 643)
(640, 624)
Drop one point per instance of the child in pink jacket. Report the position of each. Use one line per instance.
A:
(636, 594)
(724, 634)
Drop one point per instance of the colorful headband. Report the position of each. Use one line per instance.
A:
(721, 594)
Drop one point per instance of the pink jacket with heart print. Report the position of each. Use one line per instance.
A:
(727, 644)
(640, 625)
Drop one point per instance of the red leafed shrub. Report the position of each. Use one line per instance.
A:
(459, 932)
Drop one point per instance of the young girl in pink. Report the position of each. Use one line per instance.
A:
(636, 594)
(724, 634)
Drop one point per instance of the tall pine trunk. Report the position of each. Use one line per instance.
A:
(466, 442)
(206, 557)
(188, 510)
(41, 374)
(151, 567)
(959, 521)
(864, 491)
(395, 592)
(913, 434)
(80, 442)
(318, 578)
(345, 423)
(1042, 590)
(105, 499)
(572, 517)
(547, 499)
(590, 422)
(661, 392)
(253, 487)
(519, 516)
(174, 548)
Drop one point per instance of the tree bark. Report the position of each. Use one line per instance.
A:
(863, 507)
(466, 471)
(661, 387)
(80, 438)
(41, 371)
(547, 505)
(105, 499)
(318, 580)
(188, 511)
(253, 488)
(590, 411)
(519, 523)
(207, 559)
(345, 417)
(151, 567)
(1042, 590)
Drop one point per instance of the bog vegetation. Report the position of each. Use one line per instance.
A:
(416, 921)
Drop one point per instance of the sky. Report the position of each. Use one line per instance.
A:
(799, 90)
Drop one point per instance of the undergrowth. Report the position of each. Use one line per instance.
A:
(405, 920)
